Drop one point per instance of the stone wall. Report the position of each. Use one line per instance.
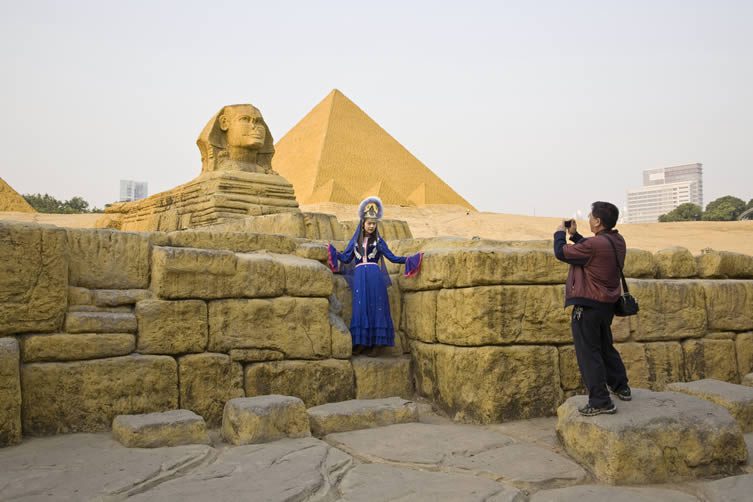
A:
(96, 323)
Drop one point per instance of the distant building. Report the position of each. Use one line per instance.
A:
(663, 190)
(133, 190)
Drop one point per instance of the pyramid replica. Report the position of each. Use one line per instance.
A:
(236, 180)
(10, 200)
(337, 153)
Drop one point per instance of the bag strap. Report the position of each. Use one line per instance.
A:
(617, 261)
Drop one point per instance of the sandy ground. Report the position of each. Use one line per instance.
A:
(432, 221)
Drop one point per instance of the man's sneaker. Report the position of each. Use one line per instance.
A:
(623, 394)
(590, 411)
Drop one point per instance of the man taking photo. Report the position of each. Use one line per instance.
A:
(592, 288)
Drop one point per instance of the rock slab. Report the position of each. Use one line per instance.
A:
(737, 399)
(360, 414)
(156, 430)
(658, 437)
(261, 419)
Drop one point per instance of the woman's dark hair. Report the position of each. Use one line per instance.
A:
(606, 212)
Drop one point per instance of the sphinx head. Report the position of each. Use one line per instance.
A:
(236, 138)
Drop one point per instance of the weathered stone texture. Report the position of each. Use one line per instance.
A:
(737, 399)
(634, 357)
(33, 278)
(85, 396)
(724, 265)
(419, 315)
(459, 268)
(305, 277)
(80, 296)
(744, 353)
(710, 359)
(729, 304)
(298, 327)
(118, 297)
(639, 264)
(665, 363)
(570, 378)
(316, 382)
(344, 297)
(76, 347)
(172, 327)
(489, 384)
(207, 381)
(10, 392)
(669, 310)
(255, 355)
(360, 414)
(108, 258)
(495, 315)
(157, 430)
(695, 439)
(263, 419)
(237, 242)
(100, 322)
(379, 377)
(675, 263)
(342, 342)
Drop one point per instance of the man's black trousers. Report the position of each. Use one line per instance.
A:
(599, 362)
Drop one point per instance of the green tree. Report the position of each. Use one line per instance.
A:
(749, 204)
(726, 208)
(683, 212)
(48, 204)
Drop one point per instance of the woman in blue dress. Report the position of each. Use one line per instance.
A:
(362, 264)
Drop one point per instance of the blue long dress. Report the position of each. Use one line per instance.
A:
(371, 322)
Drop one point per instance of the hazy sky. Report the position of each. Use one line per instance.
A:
(521, 106)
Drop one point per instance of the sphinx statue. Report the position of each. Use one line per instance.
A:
(236, 180)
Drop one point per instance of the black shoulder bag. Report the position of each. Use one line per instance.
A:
(627, 305)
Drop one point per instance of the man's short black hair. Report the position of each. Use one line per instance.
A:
(606, 212)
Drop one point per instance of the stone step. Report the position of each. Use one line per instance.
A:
(100, 322)
(75, 347)
(695, 439)
(155, 430)
(261, 419)
(360, 414)
(379, 377)
(737, 399)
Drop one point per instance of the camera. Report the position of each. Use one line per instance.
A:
(568, 223)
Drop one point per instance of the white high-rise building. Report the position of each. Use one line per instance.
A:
(133, 190)
(663, 190)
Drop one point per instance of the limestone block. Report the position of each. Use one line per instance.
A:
(342, 342)
(675, 263)
(311, 250)
(76, 347)
(360, 414)
(639, 264)
(100, 322)
(238, 242)
(344, 296)
(665, 363)
(419, 315)
(729, 304)
(179, 273)
(108, 258)
(744, 352)
(172, 327)
(84, 396)
(297, 327)
(696, 439)
(305, 277)
(80, 296)
(459, 268)
(669, 310)
(621, 329)
(737, 399)
(492, 384)
(724, 265)
(424, 357)
(157, 430)
(207, 381)
(634, 357)
(118, 297)
(710, 359)
(493, 315)
(33, 278)
(248, 420)
(316, 382)
(10, 392)
(570, 378)
(255, 355)
(318, 226)
(378, 377)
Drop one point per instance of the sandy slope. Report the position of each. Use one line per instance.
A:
(437, 220)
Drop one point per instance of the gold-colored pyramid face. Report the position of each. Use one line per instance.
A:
(10, 200)
(337, 153)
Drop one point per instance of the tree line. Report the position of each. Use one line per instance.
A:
(48, 204)
(727, 208)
